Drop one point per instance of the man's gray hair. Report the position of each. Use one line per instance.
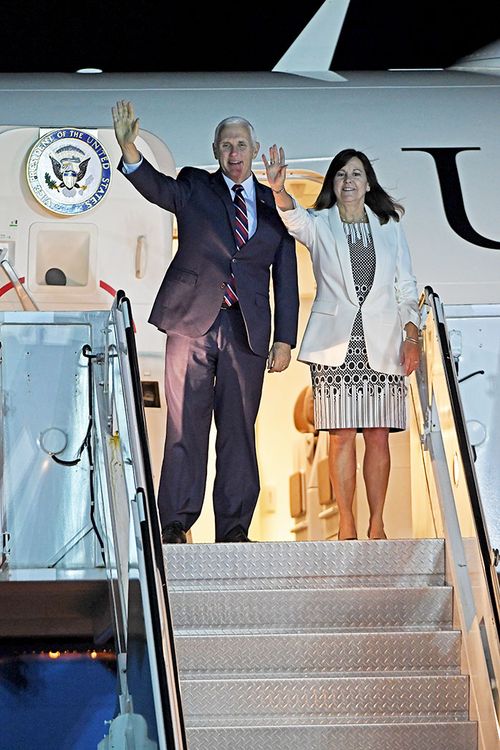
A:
(234, 121)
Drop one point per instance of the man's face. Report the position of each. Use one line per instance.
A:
(235, 151)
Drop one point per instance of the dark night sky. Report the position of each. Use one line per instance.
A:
(155, 35)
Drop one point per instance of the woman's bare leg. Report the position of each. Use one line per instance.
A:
(376, 468)
(342, 465)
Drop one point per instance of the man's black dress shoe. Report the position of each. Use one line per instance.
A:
(236, 535)
(173, 533)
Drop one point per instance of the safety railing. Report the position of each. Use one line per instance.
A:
(140, 582)
(77, 501)
(447, 476)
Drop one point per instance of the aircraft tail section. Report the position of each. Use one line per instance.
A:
(311, 53)
(485, 60)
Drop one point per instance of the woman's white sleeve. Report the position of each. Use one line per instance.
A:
(299, 223)
(405, 282)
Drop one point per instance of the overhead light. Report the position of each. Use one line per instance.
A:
(89, 70)
(406, 70)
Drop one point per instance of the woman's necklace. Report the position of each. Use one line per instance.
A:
(357, 229)
(363, 219)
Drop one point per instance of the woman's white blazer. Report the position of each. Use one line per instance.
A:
(391, 303)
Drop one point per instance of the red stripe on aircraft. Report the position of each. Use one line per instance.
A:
(107, 288)
(6, 287)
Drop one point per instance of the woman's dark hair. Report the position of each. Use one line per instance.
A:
(376, 198)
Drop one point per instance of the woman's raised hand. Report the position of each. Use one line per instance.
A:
(275, 167)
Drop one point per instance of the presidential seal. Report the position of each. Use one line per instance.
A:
(68, 171)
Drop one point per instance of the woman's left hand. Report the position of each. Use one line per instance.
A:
(410, 356)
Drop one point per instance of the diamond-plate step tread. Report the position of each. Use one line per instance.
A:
(341, 609)
(405, 562)
(291, 701)
(274, 655)
(457, 735)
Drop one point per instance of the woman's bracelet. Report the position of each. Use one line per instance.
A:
(281, 190)
(413, 341)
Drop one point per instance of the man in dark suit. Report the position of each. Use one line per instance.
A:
(213, 304)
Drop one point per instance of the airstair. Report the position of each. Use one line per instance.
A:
(374, 644)
(318, 645)
(82, 575)
(362, 644)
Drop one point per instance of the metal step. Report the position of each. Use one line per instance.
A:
(407, 562)
(318, 645)
(457, 735)
(319, 610)
(317, 654)
(297, 701)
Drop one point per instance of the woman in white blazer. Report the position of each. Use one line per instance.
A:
(361, 339)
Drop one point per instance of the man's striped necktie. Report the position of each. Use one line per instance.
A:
(241, 236)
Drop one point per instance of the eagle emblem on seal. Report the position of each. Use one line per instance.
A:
(69, 169)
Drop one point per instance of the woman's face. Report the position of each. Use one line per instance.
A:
(350, 183)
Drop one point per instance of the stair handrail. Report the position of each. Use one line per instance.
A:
(445, 470)
(489, 555)
(162, 626)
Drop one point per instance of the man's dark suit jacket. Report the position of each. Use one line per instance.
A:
(192, 290)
